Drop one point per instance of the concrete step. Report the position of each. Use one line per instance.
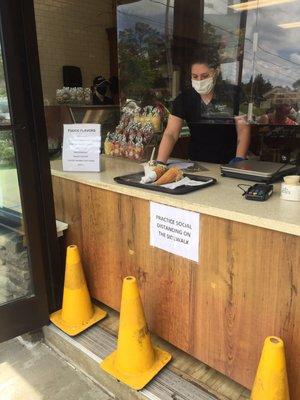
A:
(88, 349)
(30, 370)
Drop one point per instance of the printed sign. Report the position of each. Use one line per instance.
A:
(175, 230)
(81, 147)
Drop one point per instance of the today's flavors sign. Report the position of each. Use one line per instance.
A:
(81, 147)
(175, 230)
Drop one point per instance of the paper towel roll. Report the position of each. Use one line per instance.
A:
(290, 192)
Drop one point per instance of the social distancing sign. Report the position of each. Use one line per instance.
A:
(175, 230)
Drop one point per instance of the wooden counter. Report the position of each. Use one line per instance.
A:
(244, 288)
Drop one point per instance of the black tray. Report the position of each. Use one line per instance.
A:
(134, 180)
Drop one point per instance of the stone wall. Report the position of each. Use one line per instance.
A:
(15, 279)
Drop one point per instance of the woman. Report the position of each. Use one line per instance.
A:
(99, 89)
(280, 116)
(216, 136)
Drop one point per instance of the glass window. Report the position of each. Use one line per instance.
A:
(246, 53)
(15, 273)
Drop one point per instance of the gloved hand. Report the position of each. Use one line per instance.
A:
(236, 159)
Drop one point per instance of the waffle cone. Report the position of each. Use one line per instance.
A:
(172, 175)
(160, 170)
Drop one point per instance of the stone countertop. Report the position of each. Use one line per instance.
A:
(222, 200)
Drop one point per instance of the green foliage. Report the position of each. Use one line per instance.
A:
(2, 78)
(7, 151)
(142, 57)
(53, 143)
(256, 110)
(137, 76)
(296, 85)
(212, 39)
(6, 136)
(260, 87)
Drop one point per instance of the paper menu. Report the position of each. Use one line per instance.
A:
(81, 147)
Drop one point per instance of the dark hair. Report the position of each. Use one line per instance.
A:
(207, 56)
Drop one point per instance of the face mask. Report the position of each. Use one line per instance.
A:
(101, 88)
(205, 86)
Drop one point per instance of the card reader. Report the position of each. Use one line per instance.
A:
(259, 192)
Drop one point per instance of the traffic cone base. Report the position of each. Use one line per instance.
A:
(135, 362)
(77, 312)
(136, 381)
(73, 330)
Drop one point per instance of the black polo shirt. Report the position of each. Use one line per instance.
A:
(212, 126)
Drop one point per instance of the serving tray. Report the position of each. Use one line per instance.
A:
(134, 180)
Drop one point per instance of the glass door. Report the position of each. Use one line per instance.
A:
(28, 247)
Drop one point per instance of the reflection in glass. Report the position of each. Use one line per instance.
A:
(15, 275)
(277, 65)
(144, 39)
(158, 38)
(258, 60)
(15, 279)
(4, 111)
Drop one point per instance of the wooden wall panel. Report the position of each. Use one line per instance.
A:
(116, 244)
(248, 278)
(220, 310)
(68, 208)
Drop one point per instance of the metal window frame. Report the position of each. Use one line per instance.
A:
(22, 73)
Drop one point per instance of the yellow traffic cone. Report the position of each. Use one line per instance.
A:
(135, 362)
(77, 312)
(271, 381)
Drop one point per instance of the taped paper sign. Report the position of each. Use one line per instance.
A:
(81, 147)
(175, 230)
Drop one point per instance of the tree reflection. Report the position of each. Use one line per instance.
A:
(142, 58)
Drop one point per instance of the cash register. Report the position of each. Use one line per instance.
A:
(258, 171)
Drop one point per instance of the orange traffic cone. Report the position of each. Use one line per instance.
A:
(271, 381)
(135, 362)
(77, 312)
